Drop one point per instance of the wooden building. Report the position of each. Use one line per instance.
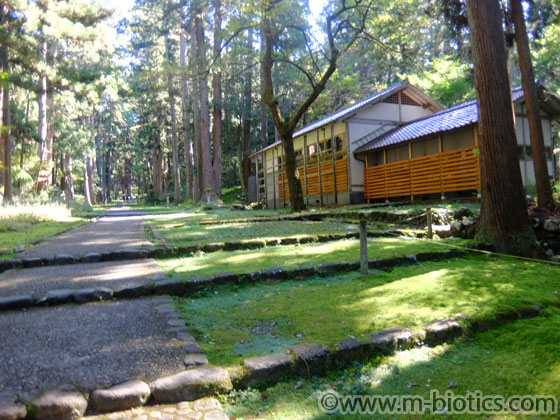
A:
(438, 154)
(330, 172)
(398, 143)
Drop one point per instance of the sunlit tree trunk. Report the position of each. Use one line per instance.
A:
(544, 190)
(175, 146)
(503, 219)
(197, 173)
(89, 174)
(6, 149)
(87, 190)
(217, 102)
(186, 119)
(246, 117)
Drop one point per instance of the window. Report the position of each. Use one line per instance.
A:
(458, 140)
(396, 154)
(375, 158)
(425, 147)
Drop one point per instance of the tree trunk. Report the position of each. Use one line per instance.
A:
(157, 165)
(197, 182)
(6, 156)
(171, 91)
(544, 190)
(503, 219)
(89, 173)
(208, 184)
(68, 183)
(217, 101)
(87, 190)
(185, 109)
(44, 179)
(108, 173)
(246, 144)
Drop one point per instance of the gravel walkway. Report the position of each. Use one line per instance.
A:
(121, 228)
(38, 281)
(90, 346)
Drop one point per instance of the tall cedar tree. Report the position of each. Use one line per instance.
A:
(544, 190)
(504, 220)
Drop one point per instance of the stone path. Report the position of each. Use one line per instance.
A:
(121, 228)
(97, 345)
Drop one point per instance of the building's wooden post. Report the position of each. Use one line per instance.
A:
(274, 178)
(475, 134)
(333, 143)
(349, 156)
(319, 169)
(365, 178)
(385, 175)
(410, 170)
(363, 247)
(429, 223)
(264, 178)
(257, 175)
(283, 177)
(440, 148)
(305, 168)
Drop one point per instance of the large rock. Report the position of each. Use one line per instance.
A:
(10, 409)
(350, 350)
(267, 369)
(191, 385)
(15, 302)
(551, 225)
(120, 397)
(442, 331)
(311, 358)
(62, 403)
(389, 340)
(93, 295)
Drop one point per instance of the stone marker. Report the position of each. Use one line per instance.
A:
(61, 403)
(191, 384)
(267, 369)
(311, 358)
(15, 302)
(389, 340)
(441, 331)
(10, 409)
(121, 397)
(93, 295)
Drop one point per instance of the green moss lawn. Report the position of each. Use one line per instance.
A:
(235, 322)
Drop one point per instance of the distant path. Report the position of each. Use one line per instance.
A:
(120, 228)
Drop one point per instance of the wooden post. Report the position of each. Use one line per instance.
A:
(429, 223)
(410, 170)
(365, 179)
(333, 144)
(264, 177)
(257, 175)
(283, 178)
(363, 247)
(319, 169)
(274, 179)
(440, 147)
(305, 169)
(385, 175)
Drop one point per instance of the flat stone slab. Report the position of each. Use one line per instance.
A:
(15, 302)
(63, 259)
(90, 346)
(120, 397)
(57, 297)
(191, 384)
(39, 281)
(10, 408)
(93, 295)
(311, 358)
(195, 359)
(389, 340)
(350, 350)
(442, 331)
(267, 369)
(62, 403)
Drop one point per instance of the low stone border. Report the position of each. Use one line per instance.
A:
(304, 360)
(175, 287)
(163, 251)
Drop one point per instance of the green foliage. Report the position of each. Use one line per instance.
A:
(447, 81)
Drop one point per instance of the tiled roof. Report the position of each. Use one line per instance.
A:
(346, 112)
(453, 118)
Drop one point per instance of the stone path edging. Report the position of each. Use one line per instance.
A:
(164, 251)
(304, 360)
(175, 287)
